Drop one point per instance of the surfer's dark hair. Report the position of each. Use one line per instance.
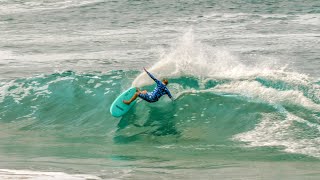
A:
(165, 80)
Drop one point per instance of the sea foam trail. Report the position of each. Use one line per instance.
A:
(254, 89)
(192, 58)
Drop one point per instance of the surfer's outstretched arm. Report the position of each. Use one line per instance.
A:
(152, 77)
(169, 94)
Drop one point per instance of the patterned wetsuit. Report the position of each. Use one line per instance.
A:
(159, 91)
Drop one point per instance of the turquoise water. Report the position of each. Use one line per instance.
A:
(245, 76)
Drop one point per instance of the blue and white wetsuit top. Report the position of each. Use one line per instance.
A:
(158, 91)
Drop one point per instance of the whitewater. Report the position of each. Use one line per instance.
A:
(244, 75)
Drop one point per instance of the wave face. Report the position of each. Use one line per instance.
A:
(260, 114)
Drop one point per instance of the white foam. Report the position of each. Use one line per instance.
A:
(19, 90)
(18, 93)
(192, 58)
(37, 175)
(308, 19)
(5, 56)
(273, 130)
(256, 90)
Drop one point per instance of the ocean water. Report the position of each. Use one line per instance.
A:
(245, 76)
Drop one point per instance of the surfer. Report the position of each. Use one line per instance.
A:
(160, 90)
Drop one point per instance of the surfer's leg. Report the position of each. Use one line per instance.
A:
(134, 97)
(146, 96)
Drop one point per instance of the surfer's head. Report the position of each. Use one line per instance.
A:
(165, 81)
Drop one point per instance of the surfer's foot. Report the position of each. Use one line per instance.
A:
(126, 102)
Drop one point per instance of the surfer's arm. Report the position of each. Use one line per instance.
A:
(169, 94)
(152, 77)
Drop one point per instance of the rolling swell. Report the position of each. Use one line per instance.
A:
(70, 110)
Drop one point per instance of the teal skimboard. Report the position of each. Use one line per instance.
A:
(118, 108)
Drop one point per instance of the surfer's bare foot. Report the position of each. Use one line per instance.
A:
(126, 102)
